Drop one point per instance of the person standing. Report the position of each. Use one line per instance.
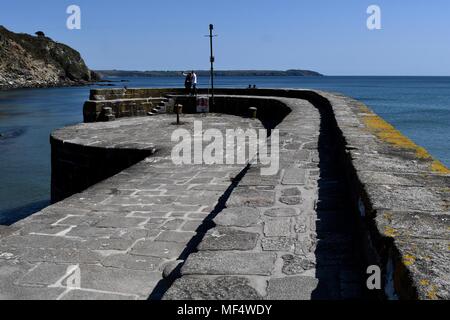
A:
(194, 83)
(188, 82)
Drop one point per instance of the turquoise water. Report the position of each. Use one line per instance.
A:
(417, 106)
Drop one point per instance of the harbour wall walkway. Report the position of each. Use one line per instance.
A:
(128, 223)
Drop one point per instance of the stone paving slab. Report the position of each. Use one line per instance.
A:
(229, 263)
(228, 239)
(294, 176)
(150, 248)
(292, 288)
(221, 288)
(238, 217)
(246, 197)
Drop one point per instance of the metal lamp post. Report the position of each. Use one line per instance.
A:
(212, 60)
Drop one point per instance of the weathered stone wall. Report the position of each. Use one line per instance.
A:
(141, 102)
(94, 111)
(123, 102)
(77, 167)
(402, 195)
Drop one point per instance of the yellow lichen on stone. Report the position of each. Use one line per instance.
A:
(409, 260)
(424, 282)
(363, 108)
(390, 232)
(432, 293)
(386, 132)
(437, 166)
(388, 216)
(431, 290)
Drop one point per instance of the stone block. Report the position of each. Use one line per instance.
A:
(229, 263)
(278, 244)
(159, 249)
(296, 265)
(291, 201)
(44, 275)
(83, 295)
(118, 222)
(293, 288)
(175, 236)
(228, 239)
(238, 217)
(294, 176)
(277, 228)
(281, 212)
(133, 262)
(123, 281)
(219, 289)
(244, 197)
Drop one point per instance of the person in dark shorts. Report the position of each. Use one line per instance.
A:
(188, 82)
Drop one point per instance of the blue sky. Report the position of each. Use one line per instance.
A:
(328, 36)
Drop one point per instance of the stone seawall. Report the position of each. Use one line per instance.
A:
(81, 158)
(347, 178)
(77, 166)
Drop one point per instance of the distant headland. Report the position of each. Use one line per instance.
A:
(205, 73)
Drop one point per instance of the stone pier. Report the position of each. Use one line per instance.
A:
(350, 192)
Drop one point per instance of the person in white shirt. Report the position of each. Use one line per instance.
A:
(194, 83)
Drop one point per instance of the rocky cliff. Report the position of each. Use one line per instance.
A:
(38, 61)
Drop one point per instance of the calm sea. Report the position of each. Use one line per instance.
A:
(417, 106)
